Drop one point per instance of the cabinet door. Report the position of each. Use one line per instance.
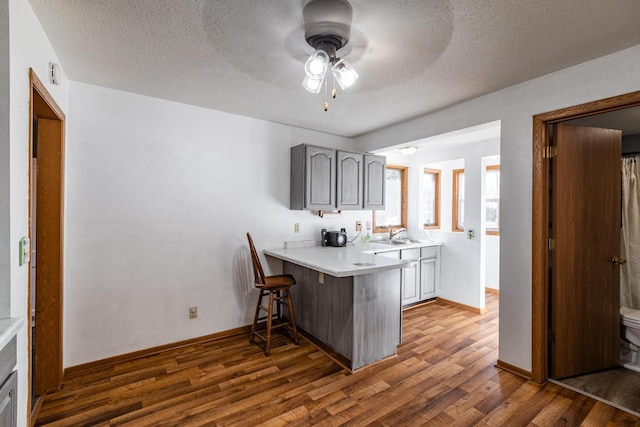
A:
(9, 401)
(428, 278)
(411, 283)
(349, 180)
(320, 186)
(374, 181)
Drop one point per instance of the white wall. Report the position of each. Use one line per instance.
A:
(608, 76)
(462, 260)
(5, 226)
(159, 198)
(30, 48)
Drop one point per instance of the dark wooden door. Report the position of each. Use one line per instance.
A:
(49, 222)
(585, 224)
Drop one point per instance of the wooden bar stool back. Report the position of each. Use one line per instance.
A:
(277, 289)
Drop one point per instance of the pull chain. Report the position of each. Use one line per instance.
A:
(326, 103)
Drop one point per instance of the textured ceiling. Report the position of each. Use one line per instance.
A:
(246, 56)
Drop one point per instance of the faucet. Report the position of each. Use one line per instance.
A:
(392, 233)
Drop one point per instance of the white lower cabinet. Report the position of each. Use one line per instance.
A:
(429, 272)
(410, 276)
(411, 283)
(420, 280)
(428, 278)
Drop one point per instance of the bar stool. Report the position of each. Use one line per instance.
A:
(277, 288)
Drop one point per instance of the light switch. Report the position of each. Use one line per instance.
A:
(24, 251)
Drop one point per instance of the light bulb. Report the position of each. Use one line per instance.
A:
(317, 64)
(344, 74)
(312, 85)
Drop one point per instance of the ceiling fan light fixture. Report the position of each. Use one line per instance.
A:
(344, 73)
(317, 65)
(327, 25)
(312, 85)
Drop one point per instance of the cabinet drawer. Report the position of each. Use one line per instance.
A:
(429, 252)
(390, 254)
(7, 359)
(410, 253)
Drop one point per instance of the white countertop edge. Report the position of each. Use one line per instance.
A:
(389, 264)
(385, 247)
(9, 327)
(343, 261)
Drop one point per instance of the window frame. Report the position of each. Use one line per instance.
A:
(404, 172)
(436, 173)
(454, 208)
(494, 232)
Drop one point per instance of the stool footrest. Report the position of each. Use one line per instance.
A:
(272, 320)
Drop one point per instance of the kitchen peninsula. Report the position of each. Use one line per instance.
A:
(348, 298)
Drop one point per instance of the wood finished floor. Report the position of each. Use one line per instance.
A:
(444, 374)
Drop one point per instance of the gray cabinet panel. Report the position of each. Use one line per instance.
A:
(9, 401)
(428, 278)
(325, 179)
(377, 317)
(313, 178)
(374, 181)
(357, 317)
(9, 387)
(321, 178)
(411, 283)
(350, 180)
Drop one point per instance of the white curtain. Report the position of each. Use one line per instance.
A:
(630, 241)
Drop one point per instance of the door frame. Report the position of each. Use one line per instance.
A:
(540, 219)
(42, 104)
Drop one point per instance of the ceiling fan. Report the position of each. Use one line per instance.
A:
(327, 25)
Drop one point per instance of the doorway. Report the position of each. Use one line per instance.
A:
(583, 115)
(46, 222)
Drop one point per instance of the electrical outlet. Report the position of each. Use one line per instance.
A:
(193, 312)
(358, 225)
(296, 227)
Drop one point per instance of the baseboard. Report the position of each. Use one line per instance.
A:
(513, 369)
(114, 360)
(419, 304)
(336, 357)
(492, 290)
(463, 306)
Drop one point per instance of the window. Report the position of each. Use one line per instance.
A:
(431, 197)
(395, 214)
(458, 201)
(492, 199)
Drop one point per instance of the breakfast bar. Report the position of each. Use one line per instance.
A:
(347, 299)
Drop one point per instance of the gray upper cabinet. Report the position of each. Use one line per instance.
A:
(374, 181)
(313, 177)
(350, 180)
(326, 179)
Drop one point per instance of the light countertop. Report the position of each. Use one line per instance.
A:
(351, 260)
(9, 326)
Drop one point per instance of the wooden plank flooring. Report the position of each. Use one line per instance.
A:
(444, 374)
